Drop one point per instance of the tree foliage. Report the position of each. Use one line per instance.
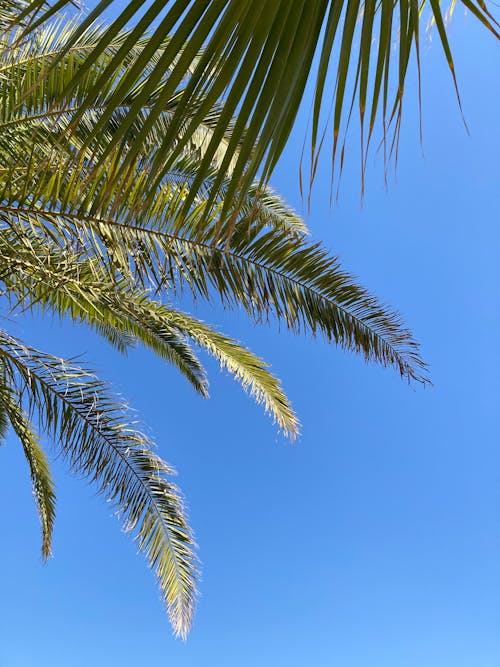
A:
(88, 231)
(256, 58)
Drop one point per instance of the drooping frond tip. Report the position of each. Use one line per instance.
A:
(251, 371)
(41, 478)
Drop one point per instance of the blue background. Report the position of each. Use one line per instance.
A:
(374, 540)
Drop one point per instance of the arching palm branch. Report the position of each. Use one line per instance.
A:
(257, 57)
(90, 234)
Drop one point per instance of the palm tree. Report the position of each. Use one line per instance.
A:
(257, 57)
(87, 233)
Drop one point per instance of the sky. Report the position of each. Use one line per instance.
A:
(375, 539)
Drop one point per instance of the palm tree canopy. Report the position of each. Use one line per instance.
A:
(89, 230)
(84, 207)
(256, 57)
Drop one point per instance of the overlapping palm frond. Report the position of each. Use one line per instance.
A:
(90, 229)
(256, 255)
(70, 283)
(257, 57)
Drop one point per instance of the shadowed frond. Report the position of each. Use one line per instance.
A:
(97, 436)
(39, 159)
(257, 57)
(10, 14)
(4, 418)
(33, 77)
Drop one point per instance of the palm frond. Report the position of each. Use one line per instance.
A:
(96, 434)
(40, 274)
(257, 57)
(41, 477)
(4, 418)
(41, 160)
(269, 273)
(36, 70)
(248, 369)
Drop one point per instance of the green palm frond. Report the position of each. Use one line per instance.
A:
(38, 273)
(39, 159)
(43, 484)
(257, 57)
(41, 274)
(4, 417)
(95, 434)
(248, 369)
(269, 273)
(10, 14)
(33, 77)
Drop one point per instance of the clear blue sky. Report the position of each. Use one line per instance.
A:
(375, 540)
